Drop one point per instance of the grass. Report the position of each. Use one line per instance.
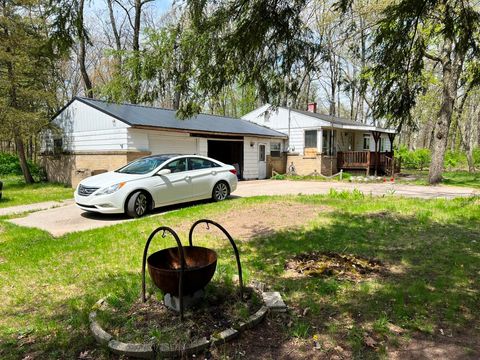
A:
(432, 248)
(16, 192)
(345, 176)
(455, 178)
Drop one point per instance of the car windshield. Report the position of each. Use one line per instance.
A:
(144, 165)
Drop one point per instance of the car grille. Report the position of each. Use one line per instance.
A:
(86, 190)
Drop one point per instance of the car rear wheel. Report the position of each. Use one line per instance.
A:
(137, 205)
(220, 191)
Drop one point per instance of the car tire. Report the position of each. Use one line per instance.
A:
(137, 204)
(220, 191)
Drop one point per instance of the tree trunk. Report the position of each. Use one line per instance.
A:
(27, 175)
(478, 131)
(449, 93)
(136, 49)
(118, 43)
(16, 132)
(88, 88)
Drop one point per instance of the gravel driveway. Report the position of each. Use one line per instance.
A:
(68, 218)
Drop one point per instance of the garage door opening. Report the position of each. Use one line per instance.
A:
(229, 152)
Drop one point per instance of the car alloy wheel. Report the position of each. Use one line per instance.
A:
(141, 204)
(220, 192)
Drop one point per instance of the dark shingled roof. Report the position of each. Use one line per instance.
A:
(138, 115)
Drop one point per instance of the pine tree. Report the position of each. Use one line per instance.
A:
(25, 68)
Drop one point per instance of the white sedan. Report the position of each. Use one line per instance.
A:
(155, 181)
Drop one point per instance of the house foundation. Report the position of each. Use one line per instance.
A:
(307, 165)
(72, 168)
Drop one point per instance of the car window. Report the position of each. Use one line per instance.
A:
(143, 165)
(199, 163)
(176, 166)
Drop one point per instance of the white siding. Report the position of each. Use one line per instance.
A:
(279, 119)
(202, 146)
(87, 129)
(250, 155)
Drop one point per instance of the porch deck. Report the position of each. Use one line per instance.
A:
(368, 161)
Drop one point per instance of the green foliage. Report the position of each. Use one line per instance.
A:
(10, 165)
(416, 159)
(476, 157)
(345, 194)
(455, 159)
(260, 42)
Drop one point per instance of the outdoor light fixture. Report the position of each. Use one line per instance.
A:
(252, 143)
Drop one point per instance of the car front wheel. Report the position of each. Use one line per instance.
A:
(220, 191)
(137, 205)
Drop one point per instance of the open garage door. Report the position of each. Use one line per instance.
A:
(227, 151)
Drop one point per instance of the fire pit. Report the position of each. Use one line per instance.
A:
(182, 270)
(164, 267)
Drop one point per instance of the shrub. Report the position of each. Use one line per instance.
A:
(476, 157)
(418, 159)
(10, 165)
(455, 159)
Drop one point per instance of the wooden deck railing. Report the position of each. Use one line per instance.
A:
(366, 160)
(353, 159)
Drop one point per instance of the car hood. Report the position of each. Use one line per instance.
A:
(110, 178)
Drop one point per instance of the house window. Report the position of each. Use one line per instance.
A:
(58, 146)
(381, 145)
(310, 138)
(328, 142)
(366, 142)
(275, 149)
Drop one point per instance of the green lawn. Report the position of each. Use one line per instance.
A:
(456, 178)
(16, 192)
(431, 249)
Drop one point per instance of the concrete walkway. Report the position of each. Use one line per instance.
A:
(12, 210)
(68, 218)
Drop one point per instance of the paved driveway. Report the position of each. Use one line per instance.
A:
(285, 187)
(68, 218)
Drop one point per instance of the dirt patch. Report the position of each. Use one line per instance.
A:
(459, 346)
(264, 219)
(329, 264)
(269, 341)
(220, 309)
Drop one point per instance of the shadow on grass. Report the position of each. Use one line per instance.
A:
(430, 282)
(157, 211)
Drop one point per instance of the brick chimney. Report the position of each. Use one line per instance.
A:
(312, 107)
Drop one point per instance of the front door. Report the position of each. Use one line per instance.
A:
(173, 187)
(262, 161)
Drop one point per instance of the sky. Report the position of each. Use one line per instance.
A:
(159, 6)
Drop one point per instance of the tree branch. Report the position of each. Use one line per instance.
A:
(432, 57)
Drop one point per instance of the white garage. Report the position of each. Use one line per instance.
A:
(95, 136)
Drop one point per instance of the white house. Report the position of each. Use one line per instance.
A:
(97, 136)
(326, 144)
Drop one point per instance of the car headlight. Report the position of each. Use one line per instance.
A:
(110, 189)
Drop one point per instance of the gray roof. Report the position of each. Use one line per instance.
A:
(138, 115)
(340, 120)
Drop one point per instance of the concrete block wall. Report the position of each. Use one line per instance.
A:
(70, 169)
(326, 165)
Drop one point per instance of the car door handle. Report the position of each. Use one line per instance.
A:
(214, 173)
(187, 178)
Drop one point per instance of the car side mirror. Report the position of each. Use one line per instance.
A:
(164, 172)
